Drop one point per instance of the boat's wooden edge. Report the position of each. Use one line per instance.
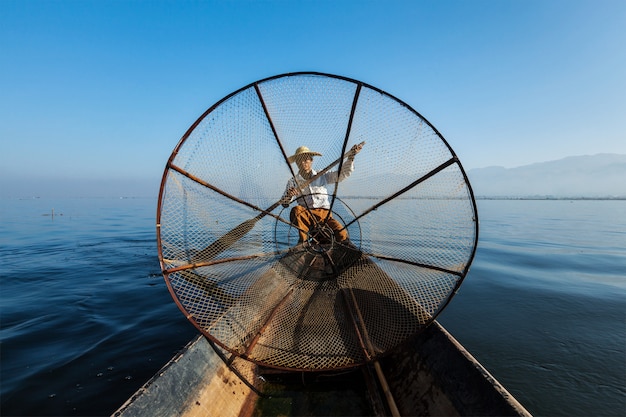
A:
(432, 375)
(435, 375)
(511, 402)
(175, 389)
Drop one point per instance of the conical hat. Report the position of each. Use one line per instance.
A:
(302, 150)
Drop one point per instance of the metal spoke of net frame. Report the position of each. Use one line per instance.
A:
(399, 193)
(345, 143)
(230, 256)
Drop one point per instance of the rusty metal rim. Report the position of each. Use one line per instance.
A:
(170, 166)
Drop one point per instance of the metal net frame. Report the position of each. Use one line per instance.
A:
(231, 257)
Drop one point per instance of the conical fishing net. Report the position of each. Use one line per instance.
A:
(303, 298)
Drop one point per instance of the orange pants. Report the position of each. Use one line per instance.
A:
(304, 219)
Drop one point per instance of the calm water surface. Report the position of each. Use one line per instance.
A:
(544, 306)
(86, 318)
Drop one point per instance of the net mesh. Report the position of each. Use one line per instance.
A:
(232, 258)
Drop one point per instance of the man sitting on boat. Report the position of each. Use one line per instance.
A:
(313, 205)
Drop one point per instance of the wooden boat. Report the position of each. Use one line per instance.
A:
(432, 375)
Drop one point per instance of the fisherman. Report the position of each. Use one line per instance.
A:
(313, 205)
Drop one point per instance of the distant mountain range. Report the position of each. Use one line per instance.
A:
(591, 176)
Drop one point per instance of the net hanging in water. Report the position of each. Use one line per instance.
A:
(244, 275)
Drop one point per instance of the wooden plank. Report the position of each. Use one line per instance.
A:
(194, 383)
(435, 375)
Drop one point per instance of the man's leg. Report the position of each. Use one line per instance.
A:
(301, 219)
(339, 231)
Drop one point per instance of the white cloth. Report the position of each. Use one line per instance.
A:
(315, 195)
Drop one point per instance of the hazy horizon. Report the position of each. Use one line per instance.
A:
(577, 180)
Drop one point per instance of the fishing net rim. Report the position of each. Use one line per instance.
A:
(462, 275)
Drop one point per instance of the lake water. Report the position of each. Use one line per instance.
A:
(86, 317)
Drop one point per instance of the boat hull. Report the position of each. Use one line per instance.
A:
(430, 375)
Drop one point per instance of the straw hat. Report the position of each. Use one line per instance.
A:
(302, 150)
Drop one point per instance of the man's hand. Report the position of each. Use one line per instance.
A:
(355, 149)
(289, 196)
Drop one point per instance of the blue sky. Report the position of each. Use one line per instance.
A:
(103, 90)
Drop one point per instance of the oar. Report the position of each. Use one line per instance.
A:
(231, 237)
